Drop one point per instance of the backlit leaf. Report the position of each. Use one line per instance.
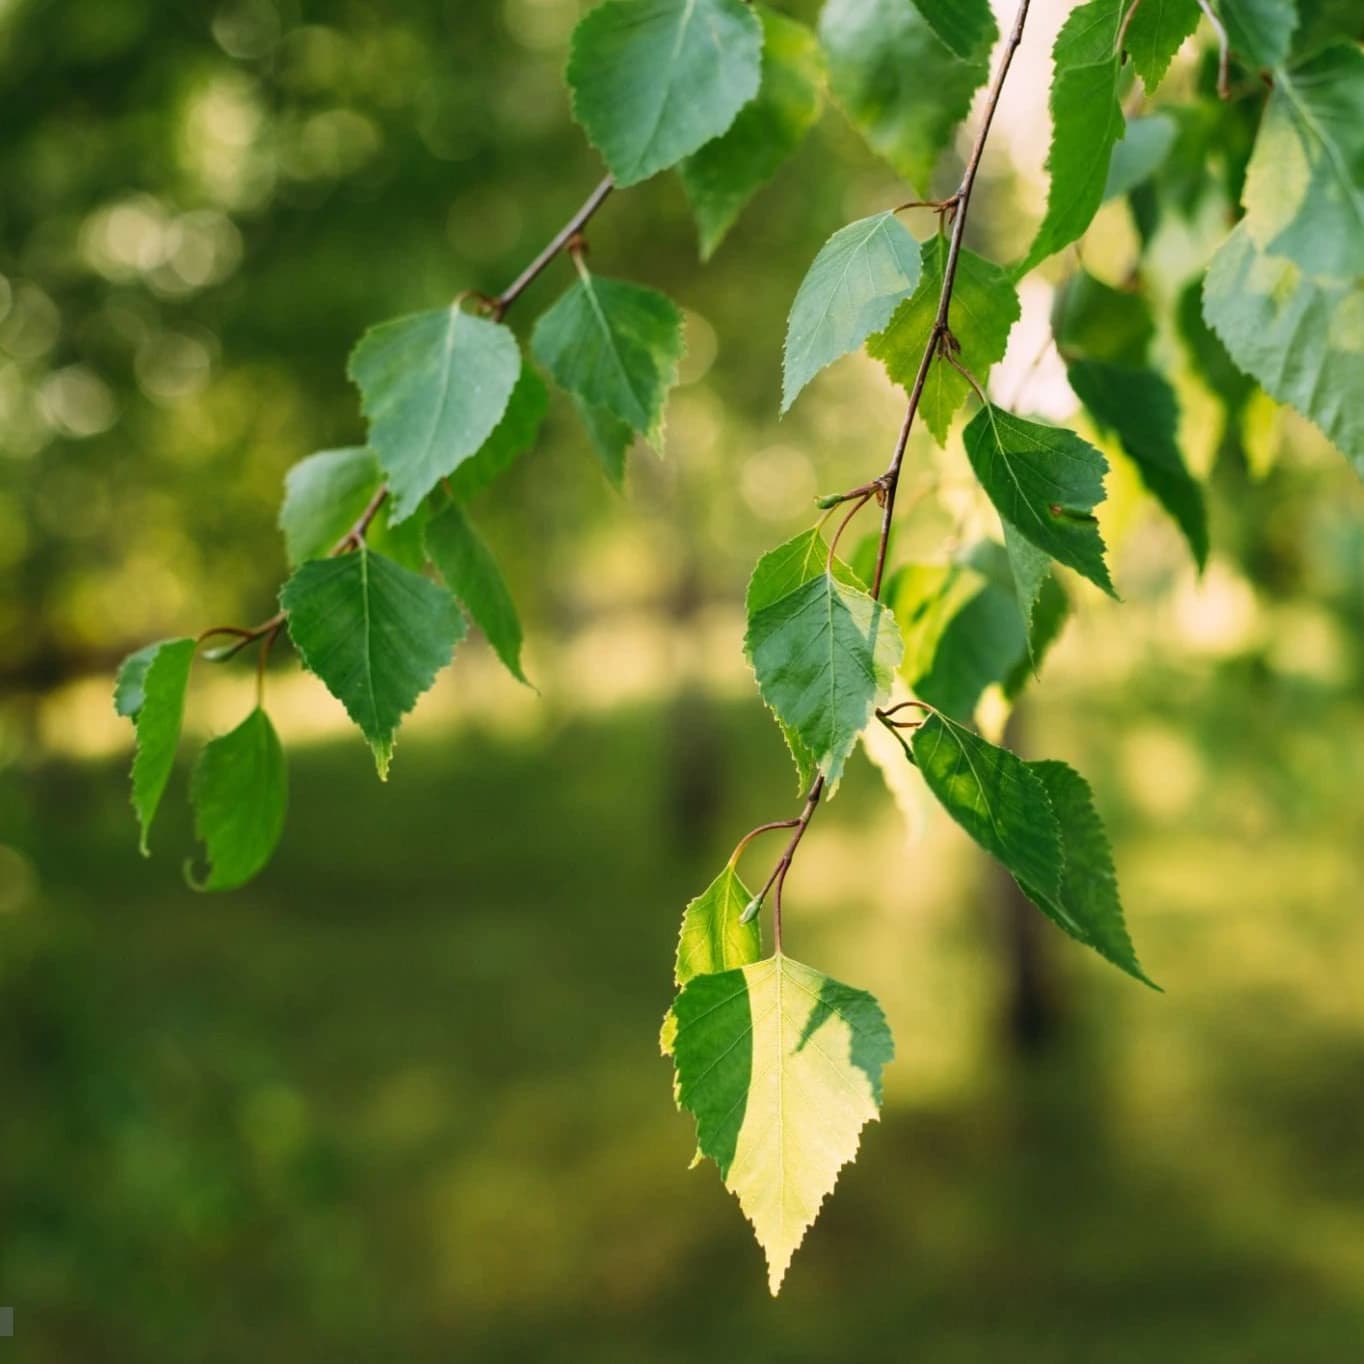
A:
(713, 938)
(324, 496)
(1301, 339)
(1155, 33)
(981, 315)
(781, 1067)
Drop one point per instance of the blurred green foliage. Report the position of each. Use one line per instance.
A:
(401, 1099)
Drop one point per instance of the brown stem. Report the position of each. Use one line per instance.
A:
(754, 833)
(959, 203)
(561, 240)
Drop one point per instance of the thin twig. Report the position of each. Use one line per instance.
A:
(753, 833)
(960, 202)
(1223, 48)
(843, 525)
(562, 238)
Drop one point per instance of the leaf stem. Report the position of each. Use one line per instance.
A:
(1223, 48)
(753, 833)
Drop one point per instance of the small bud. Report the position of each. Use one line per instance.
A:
(832, 500)
(751, 911)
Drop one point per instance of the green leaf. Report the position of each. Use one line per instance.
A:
(512, 437)
(981, 315)
(613, 346)
(1145, 144)
(996, 797)
(902, 88)
(1139, 406)
(324, 496)
(850, 291)
(239, 791)
(1321, 22)
(713, 939)
(1045, 482)
(610, 439)
(722, 177)
(653, 80)
(375, 634)
(404, 543)
(971, 630)
(471, 573)
(824, 656)
(1304, 190)
(966, 27)
(1087, 905)
(1260, 30)
(1087, 122)
(1300, 338)
(150, 691)
(1155, 33)
(1030, 569)
(781, 1067)
(434, 387)
(1094, 320)
(777, 574)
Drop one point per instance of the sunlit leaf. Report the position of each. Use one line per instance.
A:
(781, 1067)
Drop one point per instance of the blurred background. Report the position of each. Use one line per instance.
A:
(401, 1098)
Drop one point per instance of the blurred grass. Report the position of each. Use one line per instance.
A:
(402, 1099)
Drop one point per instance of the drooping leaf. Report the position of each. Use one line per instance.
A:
(850, 291)
(434, 387)
(614, 346)
(1030, 569)
(375, 634)
(1139, 406)
(781, 1067)
(403, 542)
(981, 315)
(1087, 122)
(1302, 339)
(996, 797)
(1260, 30)
(324, 496)
(713, 938)
(1093, 320)
(1322, 22)
(1045, 483)
(722, 177)
(824, 656)
(653, 80)
(1050, 610)
(511, 438)
(901, 86)
(150, 691)
(779, 572)
(1304, 191)
(1142, 150)
(471, 573)
(610, 440)
(240, 792)
(1155, 33)
(1087, 906)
